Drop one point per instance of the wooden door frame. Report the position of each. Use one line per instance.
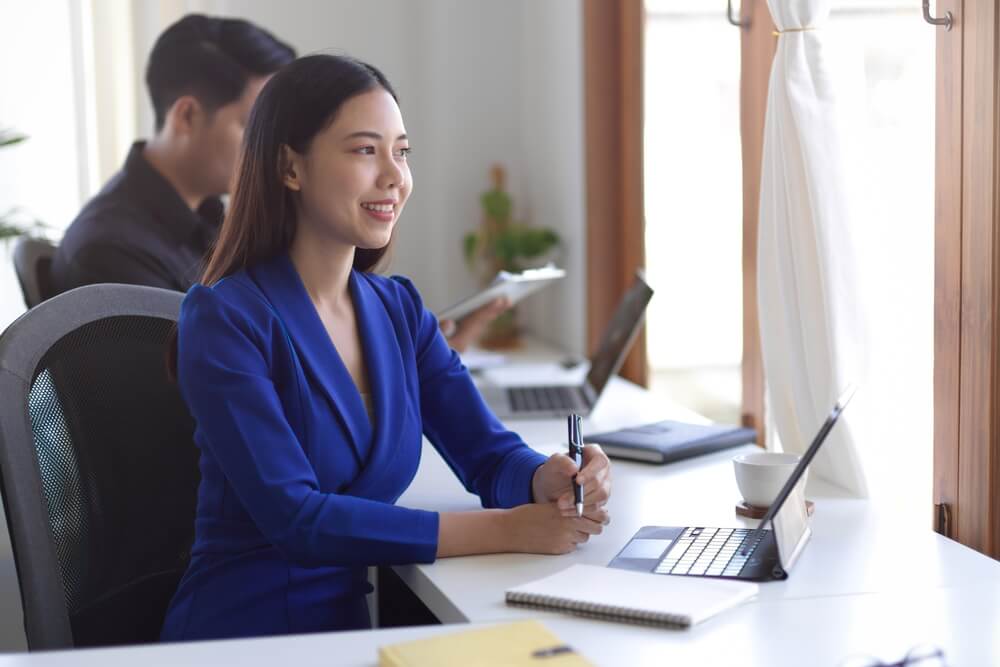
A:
(758, 45)
(613, 81)
(967, 277)
(613, 93)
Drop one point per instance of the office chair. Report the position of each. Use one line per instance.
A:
(33, 265)
(98, 466)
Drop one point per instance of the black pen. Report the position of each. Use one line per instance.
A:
(576, 453)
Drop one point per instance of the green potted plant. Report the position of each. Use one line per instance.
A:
(503, 244)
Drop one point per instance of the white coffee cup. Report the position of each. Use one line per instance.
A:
(761, 475)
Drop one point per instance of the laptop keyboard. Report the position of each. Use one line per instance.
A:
(709, 552)
(538, 399)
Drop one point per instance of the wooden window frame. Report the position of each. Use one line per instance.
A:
(613, 80)
(613, 93)
(967, 277)
(757, 48)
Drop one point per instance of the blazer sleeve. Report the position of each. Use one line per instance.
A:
(490, 460)
(224, 376)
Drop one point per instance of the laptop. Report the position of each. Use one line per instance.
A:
(755, 554)
(546, 401)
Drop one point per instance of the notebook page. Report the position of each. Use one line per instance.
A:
(590, 586)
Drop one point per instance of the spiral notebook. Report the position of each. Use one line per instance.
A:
(631, 597)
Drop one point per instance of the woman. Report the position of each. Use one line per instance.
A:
(311, 381)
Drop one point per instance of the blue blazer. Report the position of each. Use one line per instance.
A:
(297, 485)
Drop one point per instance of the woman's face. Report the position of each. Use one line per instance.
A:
(354, 179)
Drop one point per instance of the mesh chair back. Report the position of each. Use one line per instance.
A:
(99, 468)
(33, 265)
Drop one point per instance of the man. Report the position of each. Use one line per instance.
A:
(154, 221)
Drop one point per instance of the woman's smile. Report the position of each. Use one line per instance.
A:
(383, 210)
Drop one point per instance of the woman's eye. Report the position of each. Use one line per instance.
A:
(371, 150)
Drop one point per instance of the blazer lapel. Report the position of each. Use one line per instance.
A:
(279, 280)
(385, 372)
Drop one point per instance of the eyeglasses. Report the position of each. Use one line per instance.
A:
(922, 655)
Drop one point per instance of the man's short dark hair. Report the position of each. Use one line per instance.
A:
(211, 59)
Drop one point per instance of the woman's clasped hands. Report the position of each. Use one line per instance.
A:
(550, 525)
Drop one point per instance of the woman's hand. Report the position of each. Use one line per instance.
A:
(547, 526)
(552, 482)
(541, 528)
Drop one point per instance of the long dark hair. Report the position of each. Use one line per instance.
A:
(298, 102)
(295, 105)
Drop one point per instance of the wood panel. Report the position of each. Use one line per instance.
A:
(967, 262)
(613, 80)
(978, 411)
(947, 259)
(758, 45)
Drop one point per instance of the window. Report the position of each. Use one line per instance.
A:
(42, 176)
(884, 56)
(887, 54)
(693, 200)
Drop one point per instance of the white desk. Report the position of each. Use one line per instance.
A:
(864, 584)
(818, 632)
(855, 548)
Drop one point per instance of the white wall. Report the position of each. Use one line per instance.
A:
(479, 81)
(552, 158)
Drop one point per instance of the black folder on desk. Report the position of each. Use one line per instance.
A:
(667, 441)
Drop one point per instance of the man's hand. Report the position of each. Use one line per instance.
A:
(468, 330)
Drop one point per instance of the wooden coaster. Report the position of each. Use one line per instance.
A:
(754, 512)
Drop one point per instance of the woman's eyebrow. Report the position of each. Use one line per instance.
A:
(368, 134)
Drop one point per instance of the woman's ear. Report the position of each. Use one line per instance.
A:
(290, 168)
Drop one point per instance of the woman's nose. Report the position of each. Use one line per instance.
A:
(391, 174)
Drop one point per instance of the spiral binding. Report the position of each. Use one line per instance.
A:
(596, 610)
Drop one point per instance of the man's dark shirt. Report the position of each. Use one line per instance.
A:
(137, 230)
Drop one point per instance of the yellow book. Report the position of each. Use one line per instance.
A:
(525, 643)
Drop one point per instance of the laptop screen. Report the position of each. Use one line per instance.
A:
(619, 334)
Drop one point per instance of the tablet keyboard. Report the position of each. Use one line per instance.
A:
(709, 552)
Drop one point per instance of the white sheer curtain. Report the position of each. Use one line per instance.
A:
(811, 328)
